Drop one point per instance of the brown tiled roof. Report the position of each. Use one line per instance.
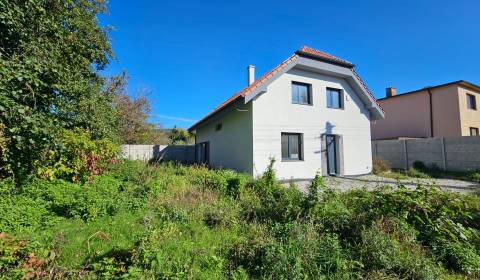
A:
(304, 51)
(323, 55)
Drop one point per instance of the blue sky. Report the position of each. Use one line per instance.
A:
(192, 55)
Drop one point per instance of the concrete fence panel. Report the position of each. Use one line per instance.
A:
(392, 151)
(180, 153)
(462, 153)
(449, 153)
(428, 151)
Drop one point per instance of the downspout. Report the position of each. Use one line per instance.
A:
(431, 111)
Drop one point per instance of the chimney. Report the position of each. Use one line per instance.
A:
(391, 91)
(251, 74)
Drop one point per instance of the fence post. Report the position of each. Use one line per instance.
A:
(406, 153)
(444, 155)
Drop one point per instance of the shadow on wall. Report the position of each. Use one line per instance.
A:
(159, 153)
(184, 153)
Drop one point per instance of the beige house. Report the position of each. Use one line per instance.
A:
(436, 111)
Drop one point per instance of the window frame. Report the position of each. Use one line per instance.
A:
(300, 146)
(473, 100)
(340, 98)
(476, 130)
(309, 93)
(218, 127)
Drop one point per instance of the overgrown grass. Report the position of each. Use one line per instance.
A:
(419, 170)
(175, 222)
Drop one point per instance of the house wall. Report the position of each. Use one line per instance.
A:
(274, 113)
(405, 116)
(446, 117)
(469, 118)
(409, 115)
(230, 147)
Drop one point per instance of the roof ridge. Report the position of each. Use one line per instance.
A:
(305, 51)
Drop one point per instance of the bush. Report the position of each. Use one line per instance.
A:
(462, 258)
(419, 165)
(380, 166)
(417, 173)
(381, 251)
(170, 221)
(75, 155)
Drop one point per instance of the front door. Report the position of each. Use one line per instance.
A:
(331, 154)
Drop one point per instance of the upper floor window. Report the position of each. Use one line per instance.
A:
(301, 93)
(473, 131)
(471, 102)
(334, 98)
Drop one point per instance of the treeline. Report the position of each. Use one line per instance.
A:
(59, 117)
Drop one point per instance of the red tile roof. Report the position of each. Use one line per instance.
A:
(305, 51)
(323, 55)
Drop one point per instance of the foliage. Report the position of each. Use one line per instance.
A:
(74, 155)
(50, 52)
(170, 221)
(133, 113)
(179, 136)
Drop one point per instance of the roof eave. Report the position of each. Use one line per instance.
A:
(326, 59)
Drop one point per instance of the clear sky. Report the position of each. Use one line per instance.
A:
(192, 55)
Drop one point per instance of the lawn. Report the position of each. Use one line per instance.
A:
(167, 221)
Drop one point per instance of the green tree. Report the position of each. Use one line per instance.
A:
(179, 136)
(133, 112)
(50, 55)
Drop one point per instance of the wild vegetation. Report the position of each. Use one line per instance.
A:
(70, 209)
(176, 222)
(420, 170)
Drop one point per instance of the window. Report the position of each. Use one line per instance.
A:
(471, 102)
(202, 153)
(301, 93)
(292, 146)
(218, 126)
(474, 131)
(334, 98)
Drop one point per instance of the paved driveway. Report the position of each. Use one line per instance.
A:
(372, 182)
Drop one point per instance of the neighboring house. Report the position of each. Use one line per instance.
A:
(311, 114)
(436, 111)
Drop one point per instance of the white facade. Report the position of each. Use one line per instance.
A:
(245, 132)
(274, 113)
(231, 146)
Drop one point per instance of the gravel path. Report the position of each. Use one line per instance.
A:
(371, 182)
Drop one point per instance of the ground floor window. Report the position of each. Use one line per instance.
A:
(292, 148)
(474, 131)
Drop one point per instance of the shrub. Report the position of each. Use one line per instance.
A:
(4, 142)
(417, 173)
(381, 251)
(294, 251)
(22, 213)
(462, 258)
(75, 155)
(380, 166)
(419, 165)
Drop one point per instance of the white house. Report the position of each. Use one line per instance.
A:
(311, 113)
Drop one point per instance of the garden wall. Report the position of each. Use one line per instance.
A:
(180, 153)
(446, 153)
